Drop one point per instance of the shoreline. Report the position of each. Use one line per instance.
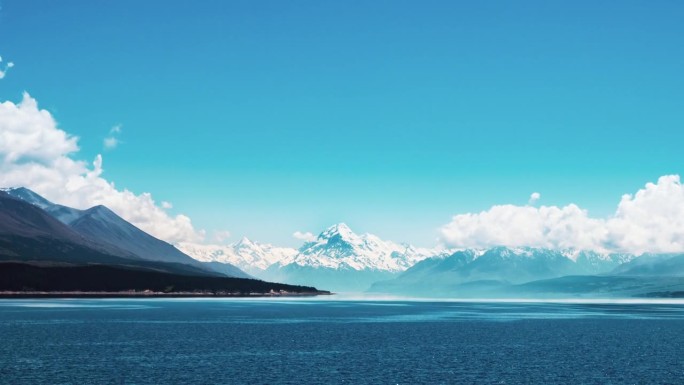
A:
(148, 294)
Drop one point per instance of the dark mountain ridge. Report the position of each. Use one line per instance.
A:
(28, 233)
(36, 278)
(39, 253)
(114, 235)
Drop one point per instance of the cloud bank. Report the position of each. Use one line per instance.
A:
(5, 68)
(534, 197)
(221, 236)
(304, 236)
(112, 141)
(36, 154)
(652, 220)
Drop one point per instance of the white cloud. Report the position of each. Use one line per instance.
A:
(221, 236)
(509, 225)
(28, 135)
(3, 72)
(110, 142)
(534, 197)
(166, 205)
(304, 236)
(36, 154)
(652, 220)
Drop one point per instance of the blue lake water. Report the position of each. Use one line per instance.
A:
(323, 341)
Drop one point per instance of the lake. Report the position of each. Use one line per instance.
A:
(325, 341)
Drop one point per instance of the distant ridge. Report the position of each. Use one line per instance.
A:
(252, 257)
(502, 272)
(498, 264)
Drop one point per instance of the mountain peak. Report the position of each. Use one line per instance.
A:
(103, 213)
(28, 196)
(244, 241)
(251, 256)
(340, 229)
(338, 247)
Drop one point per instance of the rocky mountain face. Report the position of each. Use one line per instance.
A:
(104, 230)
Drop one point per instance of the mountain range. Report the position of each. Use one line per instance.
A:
(249, 256)
(36, 231)
(344, 261)
(338, 258)
(48, 236)
(502, 272)
(466, 270)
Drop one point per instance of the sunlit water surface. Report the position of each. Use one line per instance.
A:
(323, 341)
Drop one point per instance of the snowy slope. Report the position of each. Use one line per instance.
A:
(498, 266)
(343, 261)
(338, 259)
(339, 247)
(247, 255)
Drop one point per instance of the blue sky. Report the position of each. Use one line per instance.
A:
(268, 117)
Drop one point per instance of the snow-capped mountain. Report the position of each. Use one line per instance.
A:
(252, 257)
(497, 267)
(338, 247)
(337, 259)
(342, 260)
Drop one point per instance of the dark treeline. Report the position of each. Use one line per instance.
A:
(92, 278)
